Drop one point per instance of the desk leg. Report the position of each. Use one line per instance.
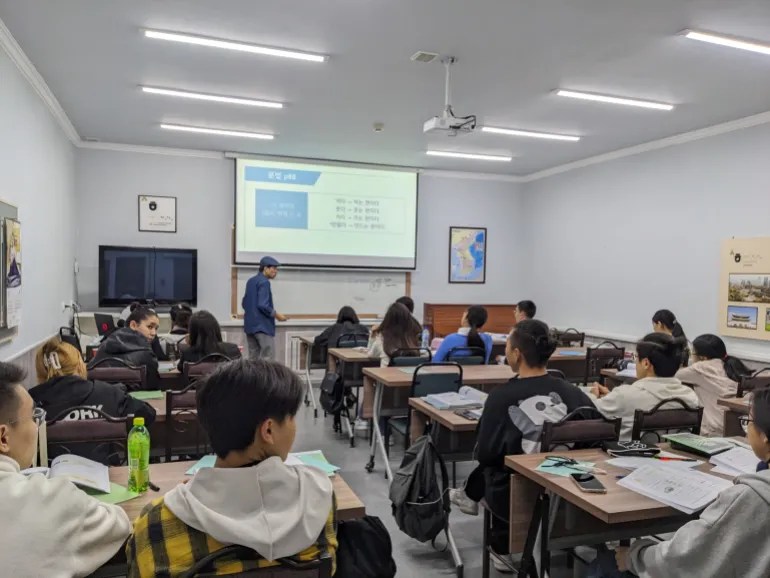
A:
(309, 391)
(377, 439)
(455, 553)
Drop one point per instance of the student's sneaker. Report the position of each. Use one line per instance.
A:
(463, 502)
(503, 563)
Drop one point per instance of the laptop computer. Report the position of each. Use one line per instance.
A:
(105, 324)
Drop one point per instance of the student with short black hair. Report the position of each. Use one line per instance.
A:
(525, 310)
(511, 423)
(205, 338)
(50, 526)
(133, 344)
(714, 375)
(250, 497)
(658, 357)
(730, 537)
(347, 323)
(180, 318)
(469, 335)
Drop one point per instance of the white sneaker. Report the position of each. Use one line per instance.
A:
(361, 425)
(463, 502)
(503, 563)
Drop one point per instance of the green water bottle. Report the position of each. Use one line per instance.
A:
(138, 457)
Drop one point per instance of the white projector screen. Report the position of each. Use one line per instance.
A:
(320, 215)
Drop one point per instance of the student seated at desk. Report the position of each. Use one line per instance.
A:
(396, 332)
(347, 324)
(64, 384)
(664, 321)
(250, 497)
(524, 310)
(408, 302)
(521, 403)
(467, 336)
(50, 527)
(714, 375)
(180, 326)
(658, 357)
(205, 338)
(132, 344)
(730, 538)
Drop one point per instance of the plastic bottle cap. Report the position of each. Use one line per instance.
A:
(138, 421)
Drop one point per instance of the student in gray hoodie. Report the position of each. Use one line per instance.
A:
(731, 536)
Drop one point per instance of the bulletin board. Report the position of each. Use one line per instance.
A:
(744, 303)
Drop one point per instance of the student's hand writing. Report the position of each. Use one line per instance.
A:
(598, 390)
(621, 556)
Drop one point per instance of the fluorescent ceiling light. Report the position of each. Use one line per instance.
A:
(473, 156)
(729, 41)
(529, 133)
(230, 45)
(614, 99)
(217, 131)
(211, 97)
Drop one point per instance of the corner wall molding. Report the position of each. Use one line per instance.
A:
(153, 150)
(28, 71)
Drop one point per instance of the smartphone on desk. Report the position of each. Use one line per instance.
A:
(467, 414)
(588, 483)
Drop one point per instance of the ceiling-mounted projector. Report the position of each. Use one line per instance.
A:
(447, 122)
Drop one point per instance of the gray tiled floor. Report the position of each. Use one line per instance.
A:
(412, 558)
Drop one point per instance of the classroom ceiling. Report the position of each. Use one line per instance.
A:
(512, 54)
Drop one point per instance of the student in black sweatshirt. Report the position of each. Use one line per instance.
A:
(521, 405)
(205, 338)
(347, 324)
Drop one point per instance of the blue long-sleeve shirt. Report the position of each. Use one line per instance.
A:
(259, 313)
(458, 340)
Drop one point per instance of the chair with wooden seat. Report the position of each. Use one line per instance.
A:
(184, 434)
(606, 355)
(760, 379)
(196, 370)
(557, 373)
(679, 418)
(88, 432)
(570, 337)
(583, 427)
(116, 370)
(288, 567)
(467, 355)
(425, 382)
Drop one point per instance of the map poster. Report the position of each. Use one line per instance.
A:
(467, 255)
(744, 303)
(12, 273)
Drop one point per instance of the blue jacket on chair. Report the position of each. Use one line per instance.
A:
(259, 314)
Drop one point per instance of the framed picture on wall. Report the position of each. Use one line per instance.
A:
(467, 254)
(157, 214)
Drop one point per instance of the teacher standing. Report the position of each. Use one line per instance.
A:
(259, 314)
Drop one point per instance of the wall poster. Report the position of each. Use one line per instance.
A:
(744, 295)
(13, 271)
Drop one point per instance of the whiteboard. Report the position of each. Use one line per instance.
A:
(308, 292)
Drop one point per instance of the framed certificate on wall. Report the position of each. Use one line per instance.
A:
(157, 214)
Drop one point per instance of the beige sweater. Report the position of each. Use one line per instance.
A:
(51, 528)
(643, 394)
(711, 383)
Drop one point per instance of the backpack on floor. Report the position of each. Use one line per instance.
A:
(420, 501)
(365, 549)
(332, 393)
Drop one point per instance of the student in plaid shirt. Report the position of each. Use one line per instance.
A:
(250, 497)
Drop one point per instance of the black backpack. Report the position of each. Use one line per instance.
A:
(420, 503)
(365, 550)
(332, 393)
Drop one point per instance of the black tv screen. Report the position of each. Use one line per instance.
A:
(165, 276)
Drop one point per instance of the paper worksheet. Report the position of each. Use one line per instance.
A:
(634, 462)
(735, 462)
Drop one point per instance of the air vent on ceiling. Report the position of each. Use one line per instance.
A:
(422, 56)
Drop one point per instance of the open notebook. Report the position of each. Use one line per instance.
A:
(80, 471)
(466, 398)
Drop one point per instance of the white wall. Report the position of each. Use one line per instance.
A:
(108, 183)
(37, 174)
(612, 243)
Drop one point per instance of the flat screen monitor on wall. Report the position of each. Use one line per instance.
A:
(325, 215)
(165, 276)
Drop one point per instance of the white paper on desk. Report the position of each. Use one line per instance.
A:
(687, 490)
(635, 462)
(629, 371)
(738, 460)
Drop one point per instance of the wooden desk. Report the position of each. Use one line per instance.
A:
(571, 361)
(348, 355)
(446, 417)
(612, 380)
(168, 475)
(386, 393)
(618, 514)
(444, 318)
(735, 408)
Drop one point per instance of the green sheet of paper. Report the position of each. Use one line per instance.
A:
(204, 462)
(118, 494)
(145, 395)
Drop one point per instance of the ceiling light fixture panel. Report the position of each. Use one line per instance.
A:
(471, 156)
(530, 134)
(217, 131)
(211, 97)
(728, 41)
(608, 99)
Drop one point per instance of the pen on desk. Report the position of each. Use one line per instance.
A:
(153, 487)
(673, 459)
